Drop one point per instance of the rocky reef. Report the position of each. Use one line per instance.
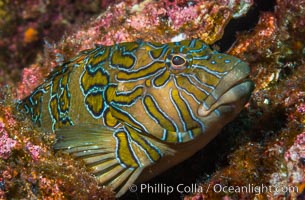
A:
(264, 146)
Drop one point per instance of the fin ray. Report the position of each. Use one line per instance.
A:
(89, 152)
(98, 158)
(135, 173)
(87, 148)
(99, 168)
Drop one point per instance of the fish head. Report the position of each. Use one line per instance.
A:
(206, 89)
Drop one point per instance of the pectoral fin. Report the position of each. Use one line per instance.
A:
(115, 156)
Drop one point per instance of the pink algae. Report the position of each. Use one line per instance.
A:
(7, 144)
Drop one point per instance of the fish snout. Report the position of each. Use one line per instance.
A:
(232, 92)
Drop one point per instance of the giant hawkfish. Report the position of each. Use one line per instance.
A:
(135, 109)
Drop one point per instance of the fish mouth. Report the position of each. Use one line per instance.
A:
(232, 92)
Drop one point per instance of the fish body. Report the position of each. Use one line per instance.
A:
(132, 110)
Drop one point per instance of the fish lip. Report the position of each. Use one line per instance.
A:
(236, 91)
(236, 96)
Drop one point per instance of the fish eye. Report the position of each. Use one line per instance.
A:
(178, 60)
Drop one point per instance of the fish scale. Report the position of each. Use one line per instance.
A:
(134, 109)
